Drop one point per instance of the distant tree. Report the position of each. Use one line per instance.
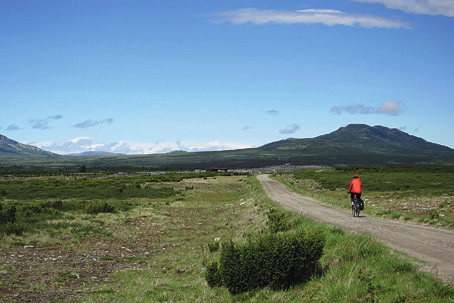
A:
(82, 169)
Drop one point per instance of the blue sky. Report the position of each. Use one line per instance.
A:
(152, 76)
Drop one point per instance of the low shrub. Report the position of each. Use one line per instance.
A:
(96, 208)
(213, 247)
(12, 228)
(278, 221)
(7, 215)
(275, 260)
(213, 275)
(50, 207)
(433, 213)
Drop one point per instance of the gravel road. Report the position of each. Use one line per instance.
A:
(435, 246)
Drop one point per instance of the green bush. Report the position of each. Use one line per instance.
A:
(434, 213)
(96, 208)
(12, 228)
(213, 276)
(7, 215)
(278, 221)
(50, 207)
(274, 260)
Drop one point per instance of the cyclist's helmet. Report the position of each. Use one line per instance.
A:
(355, 176)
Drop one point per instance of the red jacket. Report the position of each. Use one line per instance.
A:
(355, 186)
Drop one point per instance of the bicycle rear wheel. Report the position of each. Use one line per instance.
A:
(354, 207)
(357, 210)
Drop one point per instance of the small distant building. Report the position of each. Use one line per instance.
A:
(221, 170)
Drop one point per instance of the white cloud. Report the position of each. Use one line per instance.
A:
(426, 7)
(290, 129)
(82, 144)
(309, 16)
(393, 108)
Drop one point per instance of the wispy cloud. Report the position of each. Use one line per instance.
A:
(426, 7)
(393, 108)
(13, 127)
(247, 127)
(404, 129)
(327, 17)
(290, 129)
(82, 144)
(43, 123)
(92, 123)
(272, 112)
(353, 109)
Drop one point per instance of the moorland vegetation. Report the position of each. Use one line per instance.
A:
(169, 237)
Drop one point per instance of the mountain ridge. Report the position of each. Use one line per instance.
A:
(354, 144)
(11, 147)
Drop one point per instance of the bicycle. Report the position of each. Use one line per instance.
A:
(355, 207)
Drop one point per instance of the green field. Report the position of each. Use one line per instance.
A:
(143, 238)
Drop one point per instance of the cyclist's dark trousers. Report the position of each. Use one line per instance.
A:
(352, 197)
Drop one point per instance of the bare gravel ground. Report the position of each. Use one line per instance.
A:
(433, 246)
(58, 273)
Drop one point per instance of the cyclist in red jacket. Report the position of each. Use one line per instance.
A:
(355, 188)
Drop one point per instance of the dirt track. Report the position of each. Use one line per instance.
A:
(435, 246)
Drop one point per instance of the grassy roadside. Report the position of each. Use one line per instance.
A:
(164, 245)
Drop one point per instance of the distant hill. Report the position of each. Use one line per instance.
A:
(95, 154)
(10, 147)
(363, 144)
(382, 140)
(177, 152)
(361, 138)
